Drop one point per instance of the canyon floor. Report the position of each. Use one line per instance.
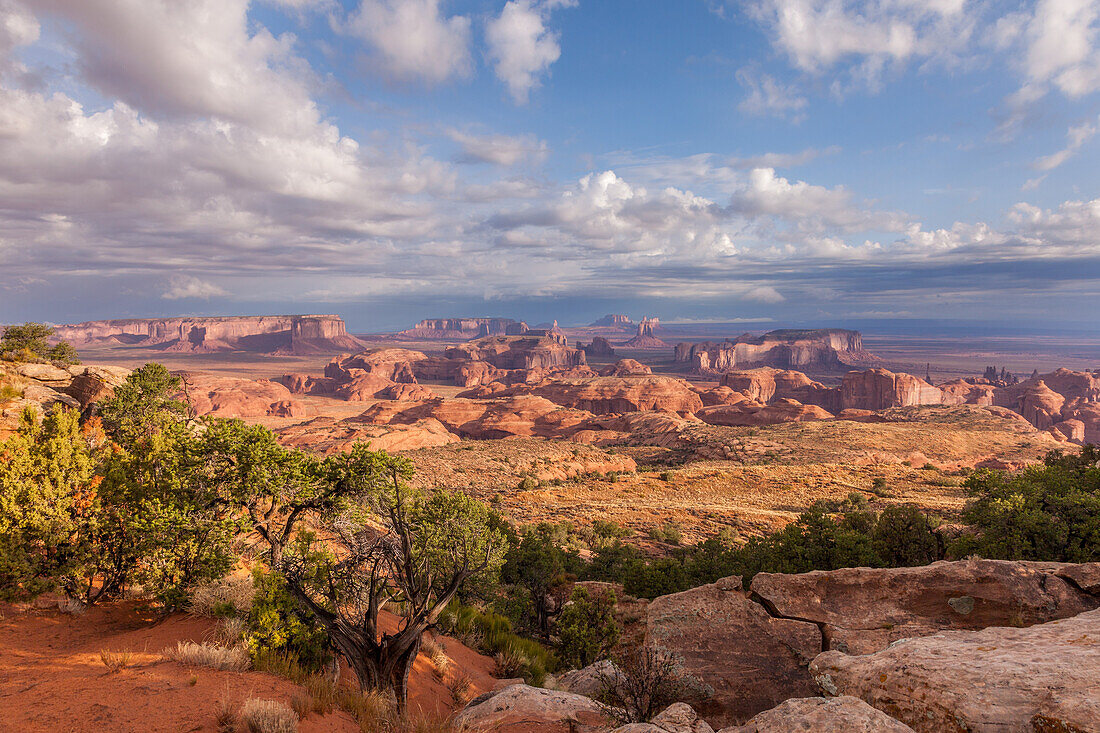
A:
(766, 475)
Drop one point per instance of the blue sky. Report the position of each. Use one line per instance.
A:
(792, 161)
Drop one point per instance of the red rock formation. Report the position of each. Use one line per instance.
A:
(751, 413)
(327, 435)
(600, 348)
(601, 395)
(879, 389)
(484, 419)
(395, 365)
(646, 338)
(787, 349)
(230, 397)
(264, 334)
(963, 392)
(462, 328)
(767, 384)
(723, 396)
(520, 352)
(625, 368)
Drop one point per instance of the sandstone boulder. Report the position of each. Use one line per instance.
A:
(589, 680)
(676, 718)
(751, 660)
(863, 610)
(1000, 679)
(522, 704)
(844, 714)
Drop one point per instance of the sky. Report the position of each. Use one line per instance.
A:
(766, 161)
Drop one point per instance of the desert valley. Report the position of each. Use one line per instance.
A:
(549, 366)
(649, 447)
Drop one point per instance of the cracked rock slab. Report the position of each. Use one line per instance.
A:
(998, 680)
(864, 610)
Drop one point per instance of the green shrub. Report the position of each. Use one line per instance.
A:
(279, 627)
(529, 483)
(1048, 512)
(587, 628)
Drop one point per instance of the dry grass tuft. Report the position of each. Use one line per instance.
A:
(322, 692)
(268, 716)
(229, 659)
(226, 597)
(435, 652)
(115, 661)
(375, 712)
(461, 688)
(226, 716)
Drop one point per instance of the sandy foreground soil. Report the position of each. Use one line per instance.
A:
(52, 679)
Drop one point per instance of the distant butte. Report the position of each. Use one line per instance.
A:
(821, 348)
(299, 335)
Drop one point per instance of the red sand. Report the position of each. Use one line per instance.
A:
(52, 678)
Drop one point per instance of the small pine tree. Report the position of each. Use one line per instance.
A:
(587, 627)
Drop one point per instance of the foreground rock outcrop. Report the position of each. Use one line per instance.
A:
(752, 646)
(530, 706)
(1000, 679)
(844, 714)
(43, 387)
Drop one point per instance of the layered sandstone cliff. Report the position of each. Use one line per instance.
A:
(826, 348)
(306, 334)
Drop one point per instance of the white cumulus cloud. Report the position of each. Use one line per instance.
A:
(412, 39)
(521, 47)
(183, 287)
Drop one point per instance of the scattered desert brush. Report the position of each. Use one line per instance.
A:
(230, 659)
(115, 661)
(268, 716)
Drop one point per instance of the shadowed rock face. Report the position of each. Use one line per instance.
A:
(750, 659)
(309, 334)
(1039, 678)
